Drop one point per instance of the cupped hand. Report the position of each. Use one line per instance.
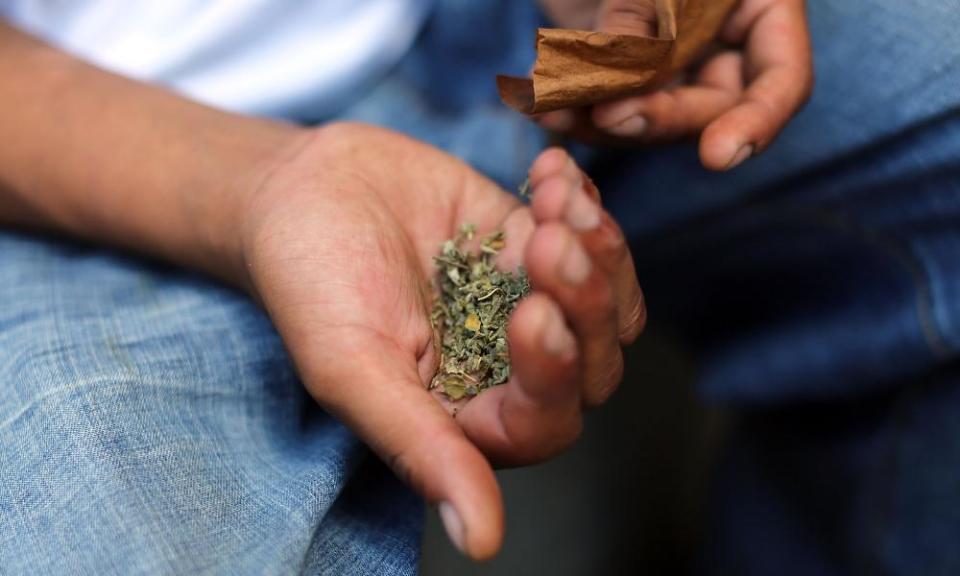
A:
(738, 98)
(338, 242)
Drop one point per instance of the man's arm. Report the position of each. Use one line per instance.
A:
(111, 160)
(334, 231)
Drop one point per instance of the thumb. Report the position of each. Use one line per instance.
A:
(384, 401)
(633, 17)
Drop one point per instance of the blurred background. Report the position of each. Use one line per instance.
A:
(627, 499)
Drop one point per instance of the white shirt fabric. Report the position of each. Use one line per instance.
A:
(295, 59)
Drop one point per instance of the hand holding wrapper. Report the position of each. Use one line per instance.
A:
(576, 68)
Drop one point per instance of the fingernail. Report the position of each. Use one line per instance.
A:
(558, 121)
(575, 267)
(453, 525)
(741, 156)
(582, 213)
(630, 128)
(557, 339)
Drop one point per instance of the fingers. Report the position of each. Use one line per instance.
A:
(582, 274)
(556, 175)
(563, 193)
(635, 17)
(779, 75)
(537, 414)
(558, 120)
(558, 265)
(384, 400)
(608, 248)
(677, 112)
(738, 101)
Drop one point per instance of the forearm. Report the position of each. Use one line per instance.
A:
(111, 160)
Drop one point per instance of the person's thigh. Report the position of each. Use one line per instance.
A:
(820, 284)
(151, 422)
(843, 488)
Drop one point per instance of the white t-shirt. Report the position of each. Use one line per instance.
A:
(285, 58)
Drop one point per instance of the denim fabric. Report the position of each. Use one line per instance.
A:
(819, 284)
(882, 68)
(862, 486)
(150, 423)
(831, 259)
(444, 93)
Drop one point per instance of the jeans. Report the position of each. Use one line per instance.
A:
(819, 286)
(150, 421)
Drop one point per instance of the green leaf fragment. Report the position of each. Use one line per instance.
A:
(455, 390)
(470, 315)
(524, 190)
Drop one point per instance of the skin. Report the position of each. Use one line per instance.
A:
(736, 100)
(333, 231)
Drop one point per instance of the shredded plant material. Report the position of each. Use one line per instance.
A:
(471, 313)
(524, 191)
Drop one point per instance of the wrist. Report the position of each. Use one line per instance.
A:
(100, 157)
(229, 209)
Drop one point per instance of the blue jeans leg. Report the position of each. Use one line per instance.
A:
(151, 423)
(860, 486)
(444, 92)
(819, 285)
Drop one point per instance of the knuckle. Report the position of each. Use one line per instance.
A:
(634, 320)
(415, 465)
(403, 468)
(606, 382)
(611, 245)
(537, 443)
(598, 304)
(664, 113)
(638, 16)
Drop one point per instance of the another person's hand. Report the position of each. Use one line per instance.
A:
(738, 98)
(338, 244)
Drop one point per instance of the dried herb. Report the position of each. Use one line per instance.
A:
(524, 190)
(471, 313)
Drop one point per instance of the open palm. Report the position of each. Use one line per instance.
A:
(340, 243)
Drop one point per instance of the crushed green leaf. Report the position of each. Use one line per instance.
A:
(471, 313)
(524, 190)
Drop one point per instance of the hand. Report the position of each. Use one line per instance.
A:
(339, 242)
(738, 98)
(334, 230)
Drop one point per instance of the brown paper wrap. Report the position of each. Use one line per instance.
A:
(579, 68)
